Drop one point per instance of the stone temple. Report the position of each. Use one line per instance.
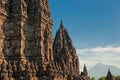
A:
(27, 49)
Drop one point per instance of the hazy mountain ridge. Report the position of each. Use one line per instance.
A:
(100, 70)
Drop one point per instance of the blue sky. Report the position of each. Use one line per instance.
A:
(92, 24)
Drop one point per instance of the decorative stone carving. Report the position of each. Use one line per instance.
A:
(24, 8)
(4, 72)
(3, 5)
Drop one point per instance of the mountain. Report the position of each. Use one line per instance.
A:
(100, 70)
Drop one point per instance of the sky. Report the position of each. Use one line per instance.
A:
(94, 26)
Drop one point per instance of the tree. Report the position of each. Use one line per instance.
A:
(102, 78)
(117, 78)
(93, 78)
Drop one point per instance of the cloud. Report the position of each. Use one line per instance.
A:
(100, 49)
(106, 49)
(107, 55)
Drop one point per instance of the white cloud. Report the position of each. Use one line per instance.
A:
(106, 49)
(107, 55)
(100, 49)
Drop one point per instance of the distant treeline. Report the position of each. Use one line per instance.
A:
(103, 78)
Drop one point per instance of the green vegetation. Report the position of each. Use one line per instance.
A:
(93, 78)
(117, 78)
(102, 78)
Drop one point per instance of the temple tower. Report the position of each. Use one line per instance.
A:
(64, 51)
(26, 30)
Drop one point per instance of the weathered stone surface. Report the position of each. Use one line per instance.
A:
(27, 49)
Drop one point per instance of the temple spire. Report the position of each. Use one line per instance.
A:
(109, 75)
(61, 24)
(85, 70)
(109, 72)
